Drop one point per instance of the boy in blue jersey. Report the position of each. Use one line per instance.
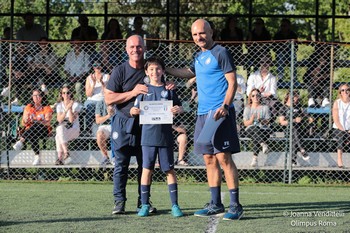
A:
(157, 139)
(216, 80)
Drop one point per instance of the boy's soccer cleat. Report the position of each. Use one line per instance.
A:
(235, 212)
(144, 211)
(152, 210)
(176, 211)
(210, 209)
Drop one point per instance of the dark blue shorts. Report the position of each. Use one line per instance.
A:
(165, 157)
(225, 138)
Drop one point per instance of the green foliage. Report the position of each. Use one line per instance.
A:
(186, 179)
(305, 180)
(248, 180)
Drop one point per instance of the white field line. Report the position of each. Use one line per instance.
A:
(213, 221)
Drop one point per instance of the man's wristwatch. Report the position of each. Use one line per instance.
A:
(225, 106)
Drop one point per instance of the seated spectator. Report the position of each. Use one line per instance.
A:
(68, 124)
(112, 53)
(103, 116)
(76, 66)
(256, 118)
(266, 83)
(94, 87)
(85, 32)
(23, 82)
(4, 60)
(30, 31)
(44, 65)
(138, 30)
(283, 50)
(181, 139)
(341, 121)
(36, 121)
(258, 50)
(317, 77)
(232, 32)
(298, 117)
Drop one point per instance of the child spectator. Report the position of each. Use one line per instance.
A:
(36, 120)
(68, 124)
(94, 87)
(181, 139)
(156, 139)
(103, 114)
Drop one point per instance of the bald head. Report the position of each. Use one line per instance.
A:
(202, 34)
(135, 49)
(134, 39)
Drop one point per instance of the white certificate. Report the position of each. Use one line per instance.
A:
(156, 112)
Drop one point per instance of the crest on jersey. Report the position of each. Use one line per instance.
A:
(207, 62)
(164, 94)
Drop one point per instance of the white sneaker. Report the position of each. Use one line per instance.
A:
(36, 160)
(265, 148)
(18, 145)
(5, 91)
(311, 103)
(325, 102)
(44, 89)
(53, 106)
(254, 161)
(15, 102)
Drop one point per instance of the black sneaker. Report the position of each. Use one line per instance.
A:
(152, 210)
(119, 207)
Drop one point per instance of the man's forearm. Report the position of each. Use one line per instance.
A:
(179, 72)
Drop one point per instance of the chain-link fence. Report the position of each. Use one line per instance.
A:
(290, 138)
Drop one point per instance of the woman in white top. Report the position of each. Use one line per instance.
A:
(68, 120)
(94, 87)
(341, 119)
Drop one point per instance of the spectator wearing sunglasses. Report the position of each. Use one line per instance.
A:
(341, 121)
(256, 118)
(36, 121)
(68, 124)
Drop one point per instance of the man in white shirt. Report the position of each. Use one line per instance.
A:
(76, 66)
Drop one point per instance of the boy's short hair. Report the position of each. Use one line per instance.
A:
(154, 60)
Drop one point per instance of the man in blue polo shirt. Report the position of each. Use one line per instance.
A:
(215, 75)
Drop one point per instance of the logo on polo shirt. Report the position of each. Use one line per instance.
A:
(115, 135)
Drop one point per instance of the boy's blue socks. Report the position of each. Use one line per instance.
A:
(173, 193)
(145, 193)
